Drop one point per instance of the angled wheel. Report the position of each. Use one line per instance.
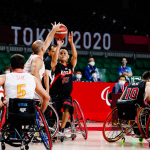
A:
(52, 120)
(148, 128)
(80, 118)
(142, 118)
(114, 128)
(43, 129)
(3, 112)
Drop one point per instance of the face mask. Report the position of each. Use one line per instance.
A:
(7, 72)
(92, 63)
(123, 62)
(94, 75)
(121, 82)
(79, 76)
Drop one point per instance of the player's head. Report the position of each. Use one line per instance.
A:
(17, 61)
(124, 61)
(51, 50)
(38, 47)
(91, 61)
(63, 55)
(146, 76)
(6, 69)
(122, 80)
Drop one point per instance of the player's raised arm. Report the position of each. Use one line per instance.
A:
(74, 51)
(55, 56)
(147, 92)
(49, 38)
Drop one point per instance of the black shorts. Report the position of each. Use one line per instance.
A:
(62, 101)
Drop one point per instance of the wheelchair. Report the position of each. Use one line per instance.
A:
(76, 120)
(20, 122)
(128, 118)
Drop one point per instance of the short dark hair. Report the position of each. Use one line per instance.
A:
(122, 76)
(49, 48)
(146, 75)
(6, 67)
(65, 49)
(17, 61)
(125, 58)
(93, 72)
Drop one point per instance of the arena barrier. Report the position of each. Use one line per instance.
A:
(92, 99)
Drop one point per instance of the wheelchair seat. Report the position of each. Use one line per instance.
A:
(127, 109)
(21, 111)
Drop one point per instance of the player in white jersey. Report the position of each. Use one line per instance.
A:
(35, 64)
(19, 84)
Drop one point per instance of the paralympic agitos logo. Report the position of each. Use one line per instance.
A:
(104, 95)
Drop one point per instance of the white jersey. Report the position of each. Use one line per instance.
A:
(28, 65)
(19, 85)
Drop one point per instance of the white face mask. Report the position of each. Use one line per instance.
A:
(121, 82)
(7, 72)
(92, 63)
(94, 75)
(79, 76)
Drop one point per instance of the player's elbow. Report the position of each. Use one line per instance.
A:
(46, 97)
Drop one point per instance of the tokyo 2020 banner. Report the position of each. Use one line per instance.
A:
(82, 40)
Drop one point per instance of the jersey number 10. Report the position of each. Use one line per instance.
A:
(132, 93)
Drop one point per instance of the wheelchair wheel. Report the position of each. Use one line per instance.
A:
(3, 114)
(43, 129)
(142, 117)
(114, 128)
(52, 120)
(80, 118)
(148, 128)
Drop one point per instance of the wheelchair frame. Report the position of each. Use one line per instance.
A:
(127, 126)
(78, 124)
(24, 134)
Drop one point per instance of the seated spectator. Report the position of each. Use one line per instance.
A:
(125, 70)
(91, 67)
(120, 87)
(78, 76)
(6, 69)
(94, 75)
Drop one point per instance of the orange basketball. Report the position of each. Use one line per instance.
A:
(62, 33)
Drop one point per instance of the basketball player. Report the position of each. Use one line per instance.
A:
(35, 65)
(47, 76)
(139, 91)
(19, 84)
(61, 87)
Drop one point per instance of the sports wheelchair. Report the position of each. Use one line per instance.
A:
(76, 120)
(20, 122)
(128, 118)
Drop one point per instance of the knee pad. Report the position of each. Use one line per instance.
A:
(67, 105)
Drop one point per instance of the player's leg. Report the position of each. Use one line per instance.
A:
(67, 103)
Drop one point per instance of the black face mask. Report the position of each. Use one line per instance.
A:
(123, 63)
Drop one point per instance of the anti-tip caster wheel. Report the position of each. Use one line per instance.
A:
(62, 139)
(141, 139)
(123, 140)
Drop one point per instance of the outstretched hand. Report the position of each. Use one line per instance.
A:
(56, 26)
(70, 37)
(60, 42)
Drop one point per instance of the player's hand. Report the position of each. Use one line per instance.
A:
(56, 27)
(60, 42)
(70, 37)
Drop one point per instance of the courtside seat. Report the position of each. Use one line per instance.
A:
(99, 60)
(3, 55)
(113, 77)
(146, 64)
(114, 66)
(99, 65)
(107, 65)
(139, 64)
(82, 65)
(6, 60)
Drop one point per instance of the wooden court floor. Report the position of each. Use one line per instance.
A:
(95, 141)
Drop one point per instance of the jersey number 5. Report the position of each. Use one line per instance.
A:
(132, 93)
(20, 92)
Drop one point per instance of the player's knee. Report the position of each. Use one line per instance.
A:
(67, 107)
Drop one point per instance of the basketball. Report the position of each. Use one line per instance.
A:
(62, 33)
